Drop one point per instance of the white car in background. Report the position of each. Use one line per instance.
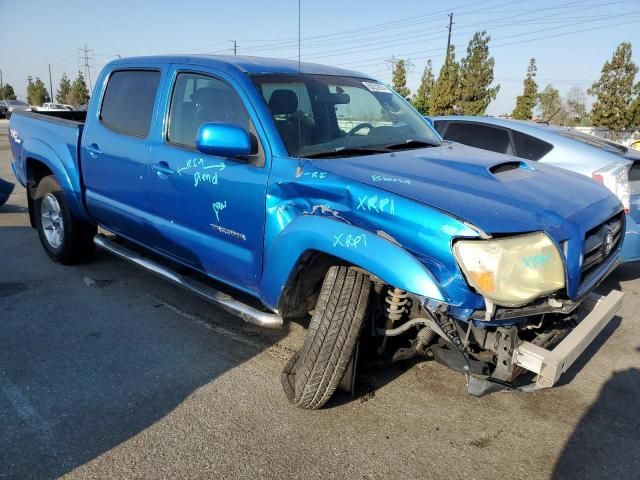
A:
(54, 107)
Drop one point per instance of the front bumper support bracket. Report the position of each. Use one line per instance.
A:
(550, 364)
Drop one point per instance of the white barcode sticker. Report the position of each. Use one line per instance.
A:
(376, 87)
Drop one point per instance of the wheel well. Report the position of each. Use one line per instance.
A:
(36, 171)
(300, 291)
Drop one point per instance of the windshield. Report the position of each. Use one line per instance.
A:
(15, 102)
(316, 114)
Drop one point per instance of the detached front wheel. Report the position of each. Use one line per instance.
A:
(65, 238)
(312, 375)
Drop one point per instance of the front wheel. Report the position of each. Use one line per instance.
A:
(313, 374)
(65, 238)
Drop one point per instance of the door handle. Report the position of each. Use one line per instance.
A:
(94, 150)
(162, 169)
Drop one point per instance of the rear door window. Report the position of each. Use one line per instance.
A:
(529, 147)
(480, 136)
(128, 101)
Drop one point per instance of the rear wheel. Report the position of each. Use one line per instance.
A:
(65, 238)
(312, 375)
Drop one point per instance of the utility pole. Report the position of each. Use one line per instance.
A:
(235, 47)
(85, 58)
(1, 79)
(449, 37)
(50, 83)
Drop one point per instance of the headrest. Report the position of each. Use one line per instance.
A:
(283, 102)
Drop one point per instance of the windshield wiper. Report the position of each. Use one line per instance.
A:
(346, 152)
(408, 144)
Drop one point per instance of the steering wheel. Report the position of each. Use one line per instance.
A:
(359, 127)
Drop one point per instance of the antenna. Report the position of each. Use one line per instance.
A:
(299, 169)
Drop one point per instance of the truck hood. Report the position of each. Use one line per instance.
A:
(497, 193)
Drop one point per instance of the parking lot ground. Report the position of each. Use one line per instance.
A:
(109, 372)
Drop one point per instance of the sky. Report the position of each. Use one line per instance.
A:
(570, 40)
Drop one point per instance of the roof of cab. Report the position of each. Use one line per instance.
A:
(244, 64)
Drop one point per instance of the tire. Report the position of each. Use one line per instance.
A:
(312, 375)
(65, 238)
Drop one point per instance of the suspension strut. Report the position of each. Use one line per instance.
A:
(396, 301)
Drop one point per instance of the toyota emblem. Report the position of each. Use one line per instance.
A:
(608, 242)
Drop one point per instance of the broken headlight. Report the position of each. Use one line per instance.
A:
(511, 271)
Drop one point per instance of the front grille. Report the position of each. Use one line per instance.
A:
(601, 242)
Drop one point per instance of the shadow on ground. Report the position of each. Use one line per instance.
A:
(83, 369)
(606, 442)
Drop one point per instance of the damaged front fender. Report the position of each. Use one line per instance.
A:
(372, 252)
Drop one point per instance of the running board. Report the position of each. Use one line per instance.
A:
(218, 298)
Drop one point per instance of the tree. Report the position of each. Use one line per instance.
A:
(400, 78)
(550, 105)
(576, 105)
(7, 93)
(526, 102)
(444, 95)
(421, 97)
(79, 94)
(62, 95)
(614, 91)
(476, 76)
(37, 93)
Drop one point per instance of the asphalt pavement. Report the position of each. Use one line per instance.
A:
(109, 372)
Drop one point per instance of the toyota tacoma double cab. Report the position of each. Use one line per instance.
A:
(317, 192)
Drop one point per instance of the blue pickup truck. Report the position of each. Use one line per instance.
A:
(321, 194)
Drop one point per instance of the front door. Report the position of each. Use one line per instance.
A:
(209, 211)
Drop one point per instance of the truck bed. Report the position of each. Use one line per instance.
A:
(53, 139)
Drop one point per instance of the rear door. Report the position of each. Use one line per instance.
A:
(209, 211)
(115, 151)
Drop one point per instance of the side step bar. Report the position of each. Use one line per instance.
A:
(218, 298)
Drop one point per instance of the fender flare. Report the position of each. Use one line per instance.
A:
(355, 245)
(38, 150)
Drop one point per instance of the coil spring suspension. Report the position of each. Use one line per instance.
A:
(397, 300)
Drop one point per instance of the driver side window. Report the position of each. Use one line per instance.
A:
(198, 99)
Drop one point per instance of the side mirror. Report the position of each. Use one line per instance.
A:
(223, 140)
(429, 121)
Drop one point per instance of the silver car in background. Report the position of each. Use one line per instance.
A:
(606, 162)
(7, 107)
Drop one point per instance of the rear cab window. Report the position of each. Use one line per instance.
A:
(129, 100)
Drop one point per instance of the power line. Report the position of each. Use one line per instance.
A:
(86, 65)
(50, 83)
(375, 60)
(544, 37)
(449, 36)
(384, 42)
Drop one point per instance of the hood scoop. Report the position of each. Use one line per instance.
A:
(512, 171)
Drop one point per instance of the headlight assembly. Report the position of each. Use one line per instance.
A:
(511, 271)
